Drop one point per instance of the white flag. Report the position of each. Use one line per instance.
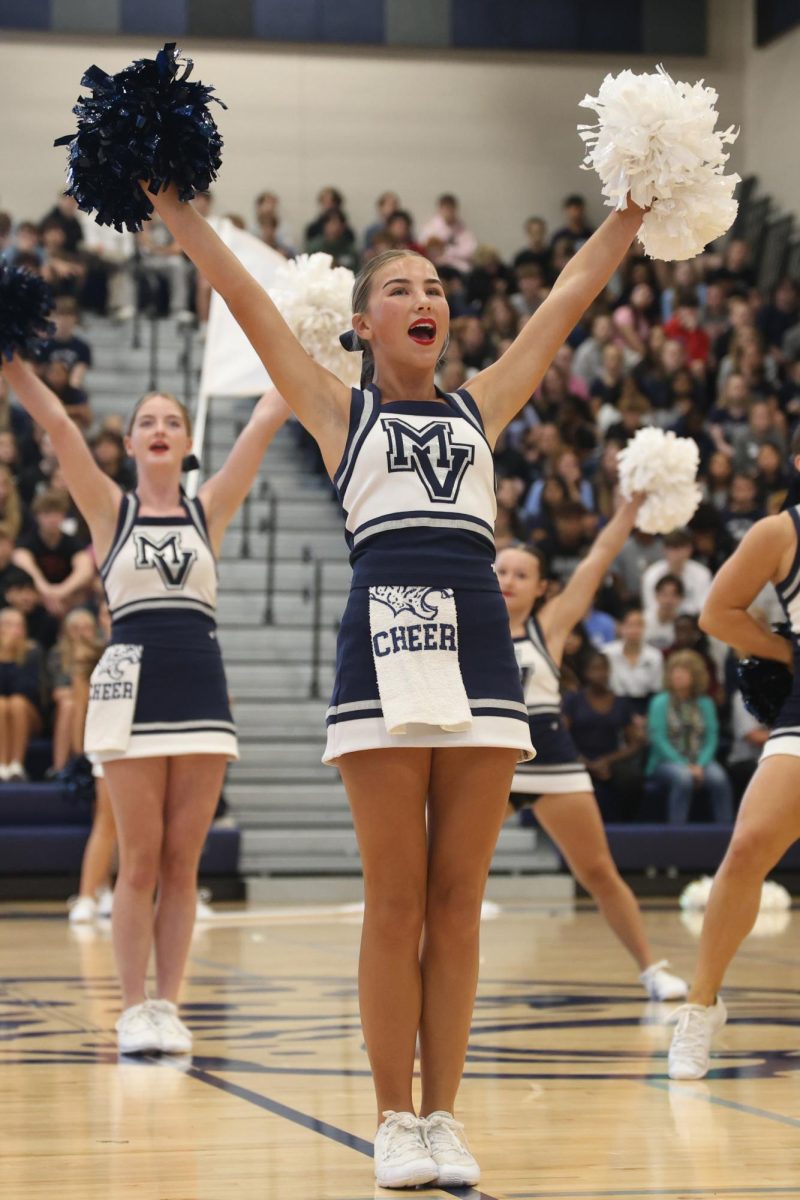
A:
(231, 366)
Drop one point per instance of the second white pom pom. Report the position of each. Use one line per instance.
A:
(655, 138)
(664, 467)
(314, 299)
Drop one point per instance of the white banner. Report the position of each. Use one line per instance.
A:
(231, 366)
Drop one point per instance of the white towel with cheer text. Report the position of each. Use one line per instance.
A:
(414, 633)
(113, 688)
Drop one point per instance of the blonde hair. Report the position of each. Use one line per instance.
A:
(25, 644)
(11, 515)
(187, 420)
(692, 662)
(65, 647)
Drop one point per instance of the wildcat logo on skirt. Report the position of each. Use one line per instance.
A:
(111, 677)
(426, 634)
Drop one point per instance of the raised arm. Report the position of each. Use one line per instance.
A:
(765, 554)
(97, 496)
(320, 400)
(505, 387)
(563, 612)
(224, 492)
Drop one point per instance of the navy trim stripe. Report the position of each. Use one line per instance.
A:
(180, 728)
(536, 768)
(363, 415)
(537, 637)
(788, 587)
(414, 514)
(364, 714)
(129, 506)
(500, 712)
(197, 515)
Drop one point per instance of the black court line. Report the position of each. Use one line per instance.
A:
(361, 1145)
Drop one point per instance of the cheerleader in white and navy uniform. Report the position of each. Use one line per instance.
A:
(427, 720)
(556, 784)
(768, 821)
(159, 721)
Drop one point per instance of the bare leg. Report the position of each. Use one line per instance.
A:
(80, 703)
(99, 851)
(194, 782)
(23, 721)
(468, 798)
(5, 732)
(575, 825)
(767, 824)
(387, 790)
(62, 727)
(137, 787)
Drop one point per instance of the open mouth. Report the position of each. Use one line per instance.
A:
(158, 447)
(423, 332)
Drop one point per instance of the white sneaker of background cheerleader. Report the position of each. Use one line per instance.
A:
(174, 1037)
(690, 1052)
(137, 1032)
(105, 903)
(402, 1154)
(451, 1152)
(661, 984)
(82, 910)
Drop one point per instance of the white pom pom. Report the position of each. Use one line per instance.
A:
(655, 138)
(774, 898)
(694, 896)
(314, 299)
(664, 467)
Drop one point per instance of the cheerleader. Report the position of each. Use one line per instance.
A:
(556, 785)
(427, 719)
(768, 821)
(159, 720)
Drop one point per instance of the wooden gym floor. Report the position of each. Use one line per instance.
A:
(565, 1095)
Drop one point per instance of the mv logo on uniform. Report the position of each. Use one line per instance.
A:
(439, 461)
(167, 555)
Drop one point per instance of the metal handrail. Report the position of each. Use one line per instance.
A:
(316, 631)
(270, 527)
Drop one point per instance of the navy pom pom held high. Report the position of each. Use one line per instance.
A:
(25, 301)
(147, 122)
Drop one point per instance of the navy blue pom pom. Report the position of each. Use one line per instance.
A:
(25, 301)
(765, 685)
(146, 122)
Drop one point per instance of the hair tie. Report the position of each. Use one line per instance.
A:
(190, 463)
(350, 340)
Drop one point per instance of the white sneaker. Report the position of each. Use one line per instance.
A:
(661, 984)
(175, 1037)
(402, 1154)
(82, 910)
(690, 1051)
(450, 1151)
(204, 911)
(105, 902)
(138, 1033)
(17, 772)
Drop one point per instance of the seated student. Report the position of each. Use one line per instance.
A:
(21, 594)
(21, 693)
(7, 569)
(603, 729)
(569, 541)
(688, 636)
(108, 448)
(60, 569)
(75, 400)
(65, 346)
(637, 669)
(683, 732)
(78, 649)
(659, 622)
(744, 507)
(677, 560)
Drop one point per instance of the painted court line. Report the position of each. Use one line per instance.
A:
(663, 1085)
(312, 1123)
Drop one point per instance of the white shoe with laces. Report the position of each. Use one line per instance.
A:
(661, 984)
(450, 1151)
(82, 910)
(175, 1037)
(105, 902)
(690, 1052)
(402, 1154)
(204, 911)
(137, 1031)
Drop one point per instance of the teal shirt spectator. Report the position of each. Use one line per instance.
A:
(661, 748)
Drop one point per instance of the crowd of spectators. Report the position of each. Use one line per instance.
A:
(694, 347)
